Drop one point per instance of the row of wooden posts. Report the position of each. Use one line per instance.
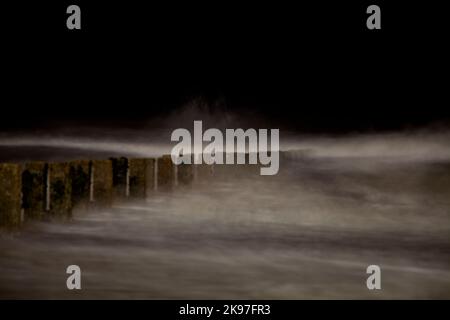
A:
(41, 190)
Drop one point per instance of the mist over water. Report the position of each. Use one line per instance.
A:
(336, 206)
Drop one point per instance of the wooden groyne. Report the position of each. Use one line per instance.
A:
(47, 190)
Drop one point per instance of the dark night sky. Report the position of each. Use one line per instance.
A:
(312, 67)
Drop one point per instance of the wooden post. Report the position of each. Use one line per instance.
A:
(137, 181)
(60, 190)
(102, 184)
(80, 176)
(166, 178)
(34, 190)
(120, 177)
(10, 195)
(151, 183)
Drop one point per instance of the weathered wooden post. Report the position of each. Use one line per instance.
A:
(80, 176)
(137, 181)
(151, 175)
(166, 173)
(101, 193)
(34, 190)
(10, 196)
(121, 177)
(60, 190)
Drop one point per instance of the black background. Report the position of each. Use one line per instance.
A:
(308, 66)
